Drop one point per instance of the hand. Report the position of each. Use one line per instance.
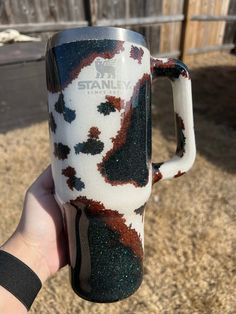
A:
(39, 240)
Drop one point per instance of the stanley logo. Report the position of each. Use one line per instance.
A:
(105, 67)
(105, 74)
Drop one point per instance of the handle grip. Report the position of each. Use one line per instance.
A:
(185, 153)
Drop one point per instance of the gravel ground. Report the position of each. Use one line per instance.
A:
(190, 223)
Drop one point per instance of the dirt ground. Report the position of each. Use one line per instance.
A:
(190, 223)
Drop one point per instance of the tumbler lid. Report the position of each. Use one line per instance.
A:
(95, 33)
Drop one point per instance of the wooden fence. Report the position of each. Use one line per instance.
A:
(179, 28)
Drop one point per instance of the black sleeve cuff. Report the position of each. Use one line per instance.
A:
(18, 279)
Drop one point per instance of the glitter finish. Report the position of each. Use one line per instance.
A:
(71, 58)
(99, 102)
(114, 267)
(116, 167)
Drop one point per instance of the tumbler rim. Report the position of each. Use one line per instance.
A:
(95, 33)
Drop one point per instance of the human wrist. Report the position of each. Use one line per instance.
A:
(18, 246)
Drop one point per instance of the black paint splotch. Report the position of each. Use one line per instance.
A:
(64, 62)
(179, 174)
(61, 151)
(181, 140)
(73, 181)
(106, 108)
(140, 210)
(128, 160)
(60, 104)
(112, 104)
(68, 114)
(172, 69)
(52, 123)
(91, 146)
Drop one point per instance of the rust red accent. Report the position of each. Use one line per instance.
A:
(114, 220)
(136, 53)
(176, 66)
(116, 102)
(157, 176)
(120, 138)
(94, 132)
(69, 172)
(159, 63)
(179, 174)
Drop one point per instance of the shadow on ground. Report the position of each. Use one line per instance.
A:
(214, 113)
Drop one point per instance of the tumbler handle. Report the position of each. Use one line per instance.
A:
(185, 153)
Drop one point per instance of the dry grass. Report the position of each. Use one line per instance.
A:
(190, 227)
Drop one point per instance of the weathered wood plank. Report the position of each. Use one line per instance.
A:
(224, 11)
(185, 35)
(94, 12)
(44, 27)
(152, 35)
(22, 52)
(141, 20)
(33, 11)
(70, 4)
(210, 48)
(170, 32)
(23, 96)
(165, 29)
(152, 8)
(230, 28)
(177, 8)
(15, 13)
(6, 13)
(62, 10)
(110, 10)
(209, 18)
(136, 8)
(80, 10)
(54, 11)
(38, 11)
(213, 9)
(194, 7)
